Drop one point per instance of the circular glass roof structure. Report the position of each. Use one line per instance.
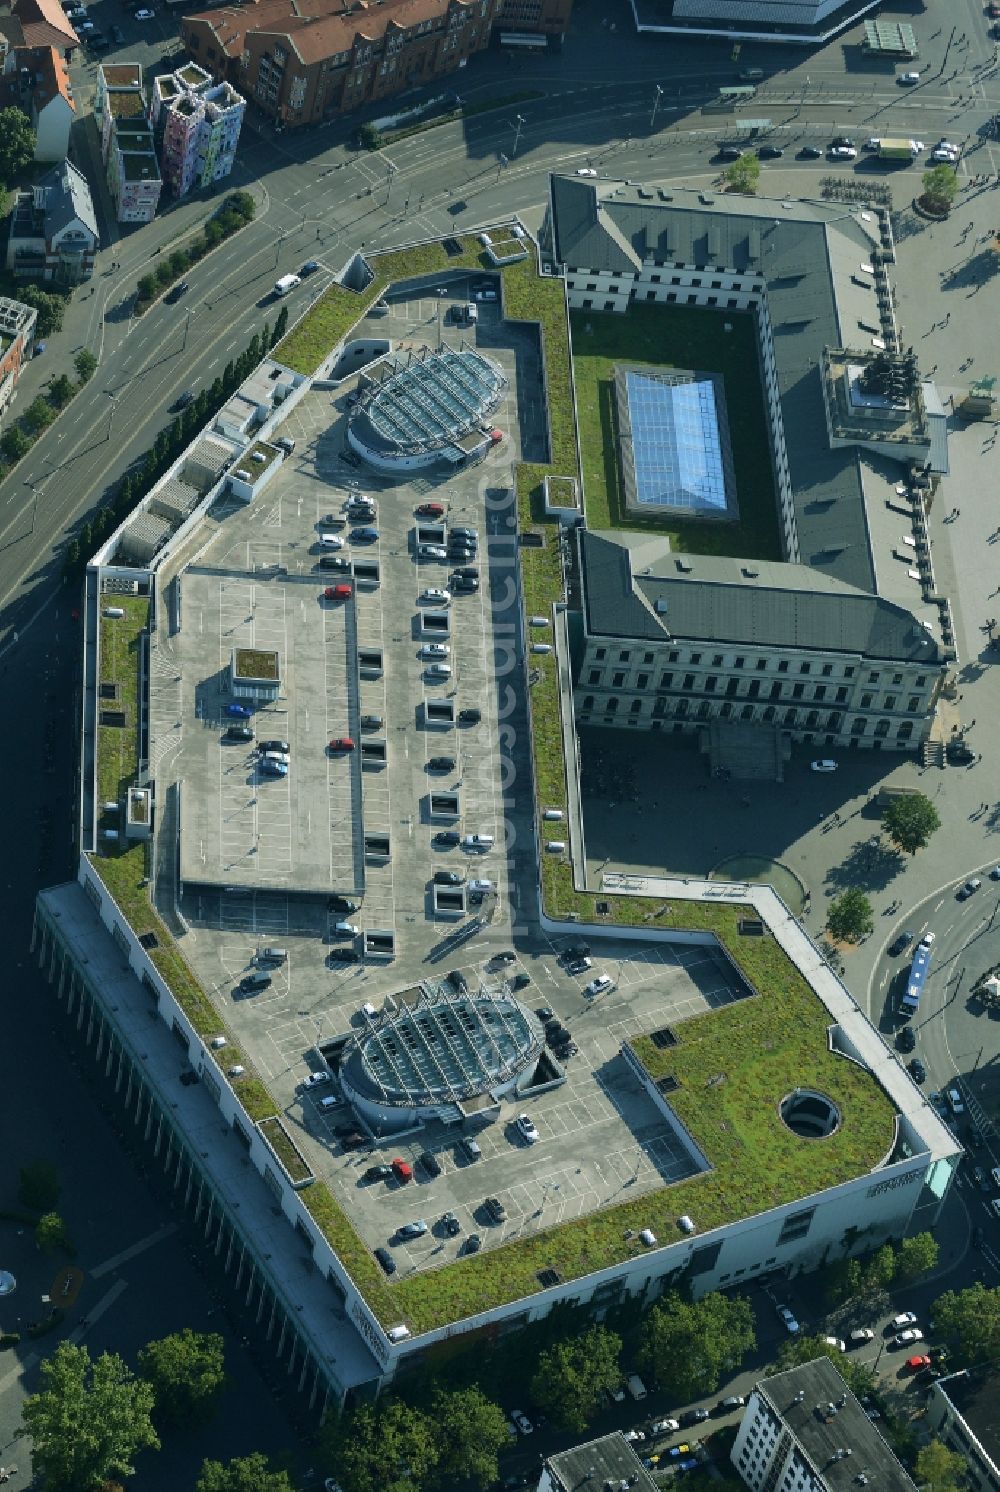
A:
(441, 1050)
(425, 399)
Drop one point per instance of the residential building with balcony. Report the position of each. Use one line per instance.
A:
(127, 149)
(17, 334)
(196, 122)
(304, 62)
(53, 229)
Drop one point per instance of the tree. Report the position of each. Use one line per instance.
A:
(51, 308)
(279, 326)
(187, 1371)
(89, 1420)
(940, 184)
(71, 559)
(85, 364)
(146, 287)
(916, 1256)
(17, 143)
(61, 390)
(471, 1431)
(687, 1346)
(14, 443)
(179, 262)
(384, 1447)
(38, 415)
(369, 137)
(243, 203)
(842, 1280)
(743, 175)
(973, 1317)
(245, 1474)
(938, 1469)
(573, 1374)
(51, 1233)
(38, 1187)
(910, 821)
(880, 1270)
(849, 918)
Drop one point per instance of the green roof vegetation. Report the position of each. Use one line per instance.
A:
(688, 337)
(255, 663)
(339, 309)
(285, 1149)
(732, 1066)
(120, 647)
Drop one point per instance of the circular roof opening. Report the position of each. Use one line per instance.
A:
(8, 1284)
(809, 1114)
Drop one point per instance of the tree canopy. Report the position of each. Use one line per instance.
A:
(573, 1374)
(39, 1182)
(187, 1371)
(972, 1317)
(89, 1421)
(910, 821)
(688, 1345)
(744, 174)
(17, 143)
(916, 1256)
(245, 1474)
(940, 184)
(384, 1447)
(50, 307)
(797, 1350)
(471, 1432)
(938, 1469)
(849, 918)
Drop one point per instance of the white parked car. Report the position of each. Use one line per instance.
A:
(633, 1436)
(791, 1325)
(346, 929)
(908, 79)
(480, 883)
(600, 985)
(826, 765)
(912, 1334)
(586, 171)
(431, 551)
(905, 1318)
(144, 15)
(843, 153)
(436, 595)
(664, 1426)
(438, 671)
(315, 1079)
(435, 650)
(522, 1421)
(526, 1128)
(835, 1342)
(331, 541)
(940, 153)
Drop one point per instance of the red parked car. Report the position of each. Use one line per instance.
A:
(402, 1170)
(337, 592)
(916, 1363)
(341, 743)
(430, 510)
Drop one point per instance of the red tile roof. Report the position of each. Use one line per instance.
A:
(315, 29)
(44, 24)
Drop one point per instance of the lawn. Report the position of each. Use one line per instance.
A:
(118, 746)
(687, 337)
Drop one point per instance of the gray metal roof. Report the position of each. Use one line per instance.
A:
(826, 1420)
(806, 253)
(607, 1461)
(635, 587)
(66, 198)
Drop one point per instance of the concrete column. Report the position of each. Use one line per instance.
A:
(274, 1312)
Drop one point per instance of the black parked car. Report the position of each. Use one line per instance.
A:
(918, 1072)
(694, 1417)
(448, 878)
(386, 1260)
(173, 296)
(377, 1173)
(441, 764)
(238, 733)
(447, 838)
(430, 1163)
(344, 956)
(907, 1039)
(769, 152)
(469, 717)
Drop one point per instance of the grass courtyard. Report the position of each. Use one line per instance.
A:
(683, 337)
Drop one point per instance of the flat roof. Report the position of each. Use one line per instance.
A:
(824, 1416)
(975, 1394)
(608, 1460)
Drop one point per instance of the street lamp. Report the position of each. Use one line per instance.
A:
(519, 121)
(656, 105)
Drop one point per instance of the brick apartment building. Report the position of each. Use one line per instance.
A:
(302, 61)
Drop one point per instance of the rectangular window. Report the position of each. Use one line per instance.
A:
(695, 659)
(912, 703)
(798, 690)
(594, 677)
(873, 678)
(617, 680)
(805, 667)
(648, 658)
(890, 702)
(866, 701)
(783, 665)
(841, 696)
(760, 665)
(849, 673)
(624, 656)
(641, 680)
(796, 1225)
(673, 656)
(666, 679)
(827, 670)
(710, 683)
(738, 662)
(688, 681)
(600, 654)
(717, 660)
